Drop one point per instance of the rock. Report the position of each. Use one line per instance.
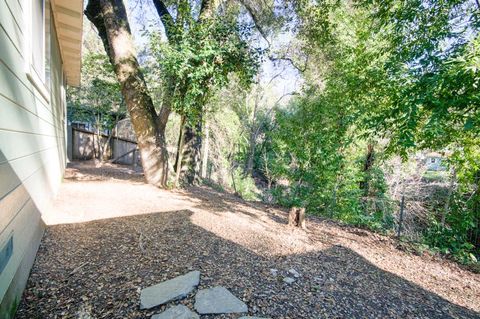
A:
(176, 312)
(274, 272)
(289, 280)
(176, 288)
(218, 300)
(250, 317)
(295, 273)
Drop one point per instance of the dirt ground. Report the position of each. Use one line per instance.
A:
(109, 235)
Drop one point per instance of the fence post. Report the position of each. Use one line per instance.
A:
(402, 205)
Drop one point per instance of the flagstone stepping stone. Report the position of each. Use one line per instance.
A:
(173, 289)
(218, 300)
(176, 312)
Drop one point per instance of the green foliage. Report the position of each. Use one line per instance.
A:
(431, 72)
(314, 153)
(450, 241)
(433, 101)
(244, 186)
(199, 60)
(98, 100)
(435, 176)
(317, 149)
(402, 72)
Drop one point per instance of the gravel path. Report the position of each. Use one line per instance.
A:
(110, 235)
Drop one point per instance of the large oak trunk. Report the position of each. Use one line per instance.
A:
(192, 153)
(189, 154)
(110, 19)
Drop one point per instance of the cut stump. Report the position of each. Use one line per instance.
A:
(296, 217)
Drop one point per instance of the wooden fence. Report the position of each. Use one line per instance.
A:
(86, 145)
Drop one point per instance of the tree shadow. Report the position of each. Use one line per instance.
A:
(88, 171)
(219, 202)
(99, 267)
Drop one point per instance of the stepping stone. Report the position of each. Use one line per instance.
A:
(176, 312)
(173, 289)
(218, 300)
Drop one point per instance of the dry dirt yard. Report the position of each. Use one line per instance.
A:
(109, 235)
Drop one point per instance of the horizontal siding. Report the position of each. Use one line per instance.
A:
(14, 82)
(11, 205)
(20, 91)
(11, 298)
(17, 118)
(14, 6)
(32, 149)
(9, 24)
(22, 228)
(25, 144)
(21, 169)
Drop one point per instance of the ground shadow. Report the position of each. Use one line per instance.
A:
(218, 202)
(87, 171)
(99, 267)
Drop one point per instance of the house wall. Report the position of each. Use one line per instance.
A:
(32, 153)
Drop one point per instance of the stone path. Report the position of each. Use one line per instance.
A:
(169, 290)
(216, 300)
(177, 312)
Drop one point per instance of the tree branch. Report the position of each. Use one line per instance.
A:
(256, 19)
(302, 68)
(165, 17)
(94, 13)
(207, 9)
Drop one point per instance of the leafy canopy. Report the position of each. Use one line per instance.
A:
(200, 59)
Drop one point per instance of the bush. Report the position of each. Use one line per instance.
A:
(451, 242)
(245, 186)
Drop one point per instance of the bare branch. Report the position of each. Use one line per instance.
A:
(301, 69)
(256, 19)
(165, 17)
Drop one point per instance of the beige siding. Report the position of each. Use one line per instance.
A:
(32, 150)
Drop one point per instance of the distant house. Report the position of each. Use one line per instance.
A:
(40, 53)
(434, 162)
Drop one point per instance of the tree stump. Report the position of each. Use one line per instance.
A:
(296, 217)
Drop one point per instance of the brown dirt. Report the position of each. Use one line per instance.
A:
(110, 235)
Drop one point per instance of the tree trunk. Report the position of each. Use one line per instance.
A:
(296, 217)
(178, 160)
(369, 160)
(451, 187)
(190, 158)
(110, 19)
(193, 153)
(251, 154)
(205, 151)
